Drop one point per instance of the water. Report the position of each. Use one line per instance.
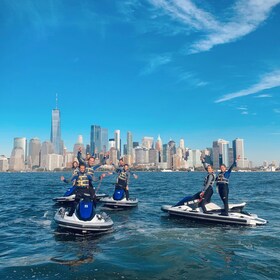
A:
(146, 243)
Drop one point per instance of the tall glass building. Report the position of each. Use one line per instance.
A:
(95, 139)
(56, 132)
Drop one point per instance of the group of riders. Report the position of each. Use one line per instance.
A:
(83, 178)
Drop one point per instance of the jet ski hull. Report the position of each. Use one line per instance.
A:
(236, 218)
(71, 198)
(123, 203)
(99, 223)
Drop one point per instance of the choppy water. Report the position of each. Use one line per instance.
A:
(145, 243)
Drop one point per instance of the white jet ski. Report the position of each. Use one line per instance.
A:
(235, 216)
(84, 219)
(118, 200)
(69, 196)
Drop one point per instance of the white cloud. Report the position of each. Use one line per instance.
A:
(243, 18)
(242, 108)
(277, 111)
(263, 96)
(155, 62)
(268, 81)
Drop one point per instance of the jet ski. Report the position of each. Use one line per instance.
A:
(69, 196)
(235, 216)
(118, 200)
(84, 219)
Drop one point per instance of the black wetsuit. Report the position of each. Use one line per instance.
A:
(222, 181)
(207, 189)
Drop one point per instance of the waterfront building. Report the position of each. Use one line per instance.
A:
(17, 162)
(238, 152)
(21, 142)
(129, 143)
(125, 149)
(46, 149)
(159, 148)
(95, 140)
(56, 131)
(164, 152)
(141, 155)
(4, 164)
(34, 152)
(68, 159)
(54, 161)
(220, 153)
(153, 156)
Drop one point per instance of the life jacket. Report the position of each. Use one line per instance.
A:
(82, 180)
(122, 178)
(90, 171)
(212, 180)
(221, 179)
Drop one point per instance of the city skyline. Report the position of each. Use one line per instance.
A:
(197, 71)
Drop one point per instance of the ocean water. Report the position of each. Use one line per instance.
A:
(145, 243)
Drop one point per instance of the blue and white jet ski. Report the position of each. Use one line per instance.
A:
(69, 196)
(236, 216)
(118, 200)
(84, 219)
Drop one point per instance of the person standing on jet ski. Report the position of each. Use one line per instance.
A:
(123, 178)
(207, 190)
(222, 181)
(83, 183)
(89, 163)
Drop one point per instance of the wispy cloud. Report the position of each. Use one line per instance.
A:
(243, 17)
(263, 96)
(277, 111)
(155, 62)
(268, 81)
(192, 79)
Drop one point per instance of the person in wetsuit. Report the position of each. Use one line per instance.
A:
(222, 181)
(83, 183)
(207, 190)
(123, 178)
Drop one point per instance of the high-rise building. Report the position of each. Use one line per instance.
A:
(125, 149)
(54, 161)
(17, 162)
(79, 144)
(129, 143)
(118, 142)
(135, 144)
(95, 140)
(220, 153)
(112, 143)
(46, 149)
(238, 152)
(4, 164)
(141, 155)
(56, 140)
(34, 152)
(182, 144)
(21, 142)
(148, 142)
(104, 139)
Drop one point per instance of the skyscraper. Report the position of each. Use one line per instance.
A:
(238, 151)
(104, 139)
(129, 143)
(95, 139)
(148, 142)
(220, 153)
(79, 144)
(118, 141)
(21, 142)
(34, 152)
(56, 131)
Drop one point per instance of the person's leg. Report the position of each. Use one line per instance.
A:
(223, 192)
(206, 199)
(126, 193)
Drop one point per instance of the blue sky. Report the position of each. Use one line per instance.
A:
(200, 70)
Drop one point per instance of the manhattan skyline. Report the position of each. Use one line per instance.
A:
(194, 70)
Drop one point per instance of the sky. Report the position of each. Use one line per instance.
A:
(199, 70)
